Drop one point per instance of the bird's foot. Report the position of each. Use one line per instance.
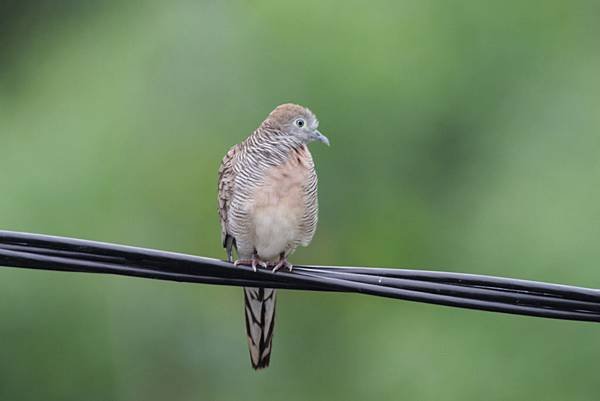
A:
(283, 263)
(254, 262)
(242, 262)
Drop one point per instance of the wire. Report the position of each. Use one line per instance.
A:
(489, 293)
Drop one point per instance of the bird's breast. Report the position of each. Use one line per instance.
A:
(279, 205)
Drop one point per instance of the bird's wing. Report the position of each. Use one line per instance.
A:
(226, 185)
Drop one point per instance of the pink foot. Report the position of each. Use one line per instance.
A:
(254, 262)
(283, 263)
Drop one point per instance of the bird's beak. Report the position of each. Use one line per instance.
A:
(321, 138)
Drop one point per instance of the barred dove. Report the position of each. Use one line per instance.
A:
(268, 207)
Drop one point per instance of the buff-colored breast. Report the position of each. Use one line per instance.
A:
(279, 205)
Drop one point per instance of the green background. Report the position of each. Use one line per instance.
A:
(465, 137)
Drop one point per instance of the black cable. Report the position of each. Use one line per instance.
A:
(522, 297)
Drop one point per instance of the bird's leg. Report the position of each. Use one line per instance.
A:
(254, 262)
(283, 262)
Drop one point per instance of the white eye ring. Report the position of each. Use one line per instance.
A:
(299, 123)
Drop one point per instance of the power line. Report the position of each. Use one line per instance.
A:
(489, 293)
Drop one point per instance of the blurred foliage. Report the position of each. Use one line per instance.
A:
(465, 137)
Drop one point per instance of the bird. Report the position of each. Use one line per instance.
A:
(268, 206)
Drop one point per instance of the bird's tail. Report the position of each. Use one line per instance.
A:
(259, 306)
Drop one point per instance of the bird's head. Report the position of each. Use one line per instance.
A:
(298, 122)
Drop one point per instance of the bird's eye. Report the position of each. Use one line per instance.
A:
(299, 123)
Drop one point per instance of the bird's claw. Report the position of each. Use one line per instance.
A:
(283, 263)
(242, 262)
(254, 262)
(258, 262)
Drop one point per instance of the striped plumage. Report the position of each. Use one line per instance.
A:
(268, 207)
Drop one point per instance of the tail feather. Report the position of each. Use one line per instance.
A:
(259, 306)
